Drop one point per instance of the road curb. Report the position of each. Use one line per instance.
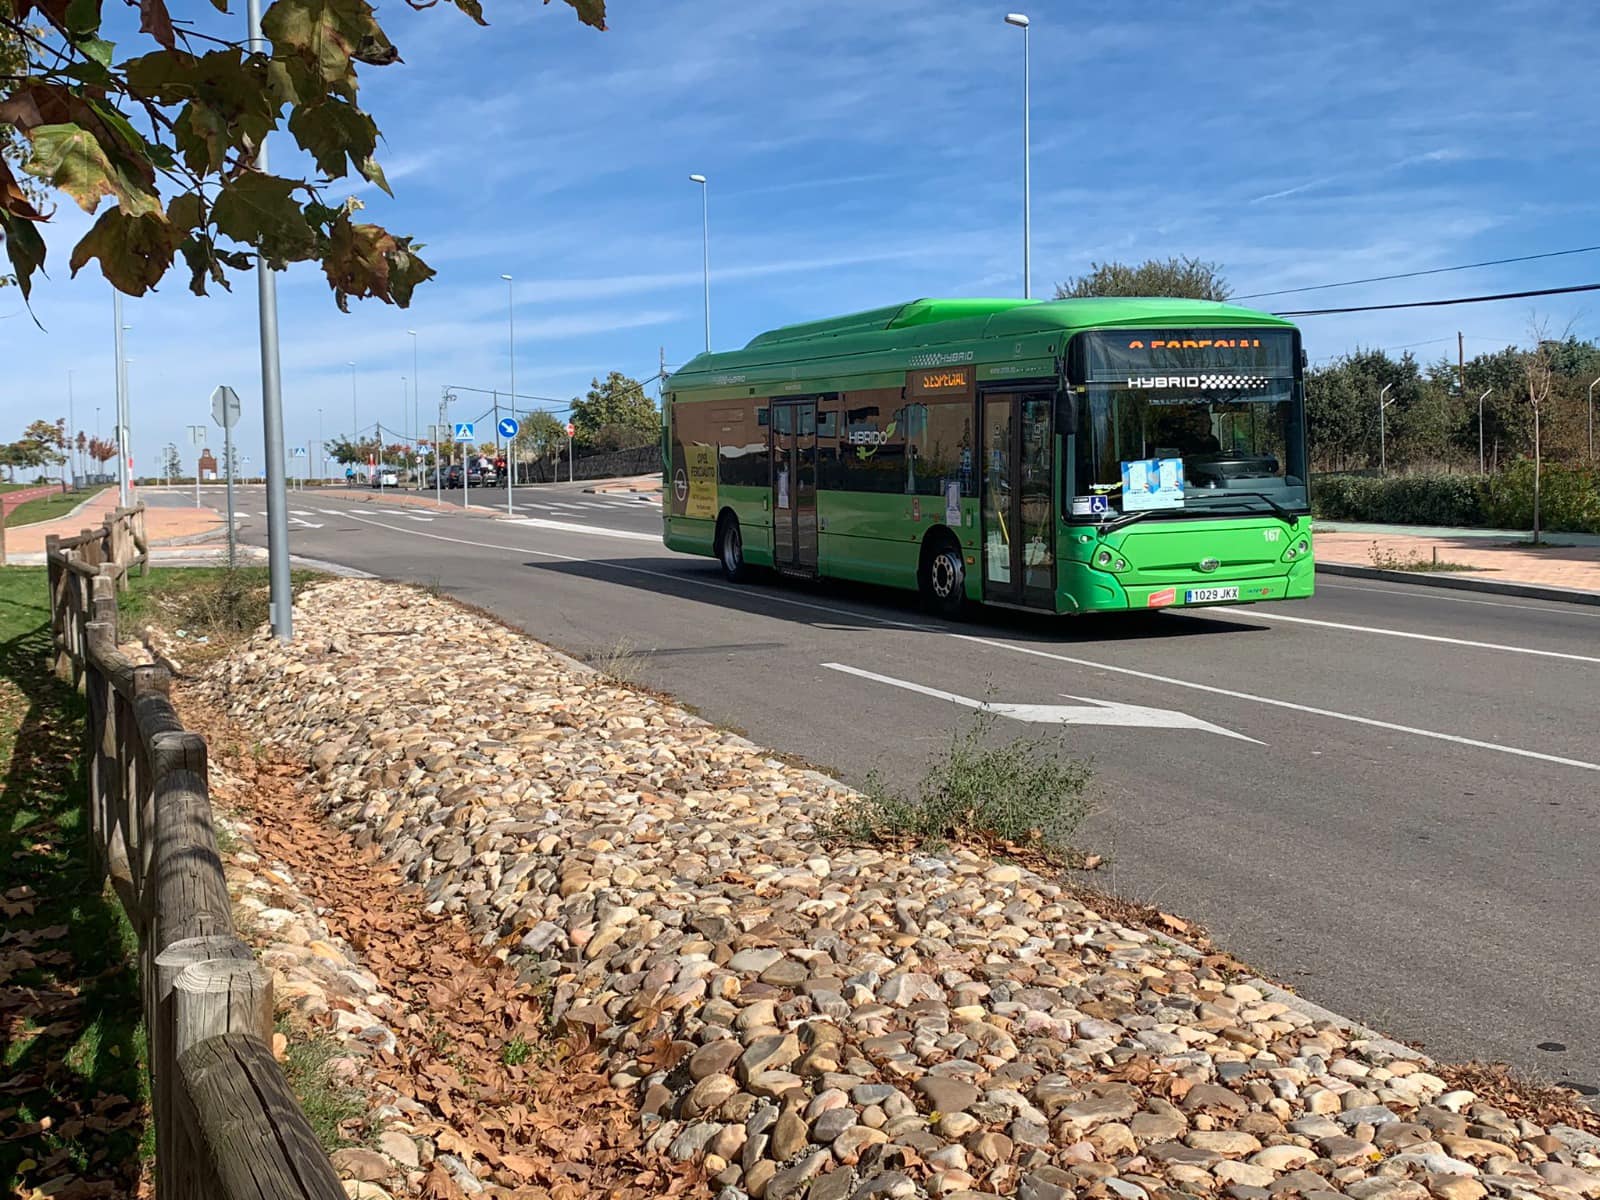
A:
(1527, 591)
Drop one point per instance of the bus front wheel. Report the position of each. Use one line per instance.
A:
(944, 579)
(730, 549)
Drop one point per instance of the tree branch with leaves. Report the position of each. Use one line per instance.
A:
(171, 137)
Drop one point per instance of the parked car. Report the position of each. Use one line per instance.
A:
(386, 477)
(448, 476)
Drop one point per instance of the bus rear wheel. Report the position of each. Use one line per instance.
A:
(944, 579)
(730, 549)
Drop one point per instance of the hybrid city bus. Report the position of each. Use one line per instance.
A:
(1065, 456)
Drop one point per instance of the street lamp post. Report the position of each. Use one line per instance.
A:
(1020, 20)
(122, 399)
(511, 346)
(355, 421)
(705, 248)
(1481, 399)
(1383, 441)
(1591, 422)
(416, 385)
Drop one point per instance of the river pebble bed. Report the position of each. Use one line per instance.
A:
(803, 1018)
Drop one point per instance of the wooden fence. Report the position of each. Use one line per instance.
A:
(120, 543)
(227, 1125)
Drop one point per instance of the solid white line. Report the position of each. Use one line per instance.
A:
(1421, 637)
(1289, 704)
(569, 527)
(857, 615)
(1424, 592)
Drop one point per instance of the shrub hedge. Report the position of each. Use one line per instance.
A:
(1569, 499)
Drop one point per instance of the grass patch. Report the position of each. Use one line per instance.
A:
(1391, 560)
(620, 662)
(48, 508)
(213, 607)
(335, 1111)
(516, 1052)
(1021, 796)
(75, 1099)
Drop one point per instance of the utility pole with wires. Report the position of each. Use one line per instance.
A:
(1461, 364)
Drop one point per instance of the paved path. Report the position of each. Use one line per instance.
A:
(1387, 796)
(170, 522)
(1571, 561)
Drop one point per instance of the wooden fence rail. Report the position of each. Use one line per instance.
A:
(227, 1125)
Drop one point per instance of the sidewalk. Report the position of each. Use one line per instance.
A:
(1497, 557)
(163, 526)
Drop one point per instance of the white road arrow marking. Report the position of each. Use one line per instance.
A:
(1092, 712)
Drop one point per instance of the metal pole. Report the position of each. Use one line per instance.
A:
(705, 248)
(272, 409)
(355, 421)
(1383, 454)
(1027, 170)
(511, 336)
(122, 397)
(72, 467)
(572, 458)
(1481, 399)
(1592, 421)
(227, 466)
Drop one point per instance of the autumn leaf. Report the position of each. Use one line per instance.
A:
(157, 22)
(368, 260)
(259, 210)
(590, 12)
(134, 251)
(71, 158)
(327, 35)
(333, 131)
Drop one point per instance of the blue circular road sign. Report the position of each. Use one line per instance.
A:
(509, 427)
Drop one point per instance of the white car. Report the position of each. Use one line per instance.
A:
(385, 477)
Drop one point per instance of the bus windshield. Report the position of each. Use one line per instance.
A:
(1213, 429)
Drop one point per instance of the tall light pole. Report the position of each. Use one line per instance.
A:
(355, 421)
(705, 248)
(1481, 399)
(1020, 20)
(1383, 441)
(72, 468)
(511, 345)
(122, 399)
(322, 450)
(1591, 421)
(281, 601)
(416, 385)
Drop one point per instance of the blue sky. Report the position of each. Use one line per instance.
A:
(865, 153)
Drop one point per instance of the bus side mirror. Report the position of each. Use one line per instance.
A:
(1066, 412)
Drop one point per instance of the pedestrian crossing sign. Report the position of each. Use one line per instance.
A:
(464, 431)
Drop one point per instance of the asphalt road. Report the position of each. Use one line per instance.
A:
(1387, 797)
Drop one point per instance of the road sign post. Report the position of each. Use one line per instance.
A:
(197, 438)
(508, 428)
(225, 412)
(465, 434)
(572, 453)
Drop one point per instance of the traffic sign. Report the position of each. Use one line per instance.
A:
(464, 431)
(571, 429)
(225, 407)
(297, 452)
(509, 427)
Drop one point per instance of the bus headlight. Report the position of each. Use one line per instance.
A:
(1103, 558)
(1296, 550)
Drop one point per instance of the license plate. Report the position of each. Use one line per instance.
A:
(1210, 595)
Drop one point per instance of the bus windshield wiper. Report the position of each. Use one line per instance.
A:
(1128, 518)
(1283, 513)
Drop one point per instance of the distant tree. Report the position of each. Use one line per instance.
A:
(540, 436)
(102, 450)
(619, 402)
(45, 444)
(171, 462)
(1187, 278)
(1342, 406)
(1539, 363)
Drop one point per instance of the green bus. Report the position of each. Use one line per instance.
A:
(1064, 456)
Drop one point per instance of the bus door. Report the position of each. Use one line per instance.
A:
(1017, 509)
(794, 485)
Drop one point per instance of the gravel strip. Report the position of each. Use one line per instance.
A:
(842, 1023)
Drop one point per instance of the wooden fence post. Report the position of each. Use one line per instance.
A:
(249, 1125)
(176, 1163)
